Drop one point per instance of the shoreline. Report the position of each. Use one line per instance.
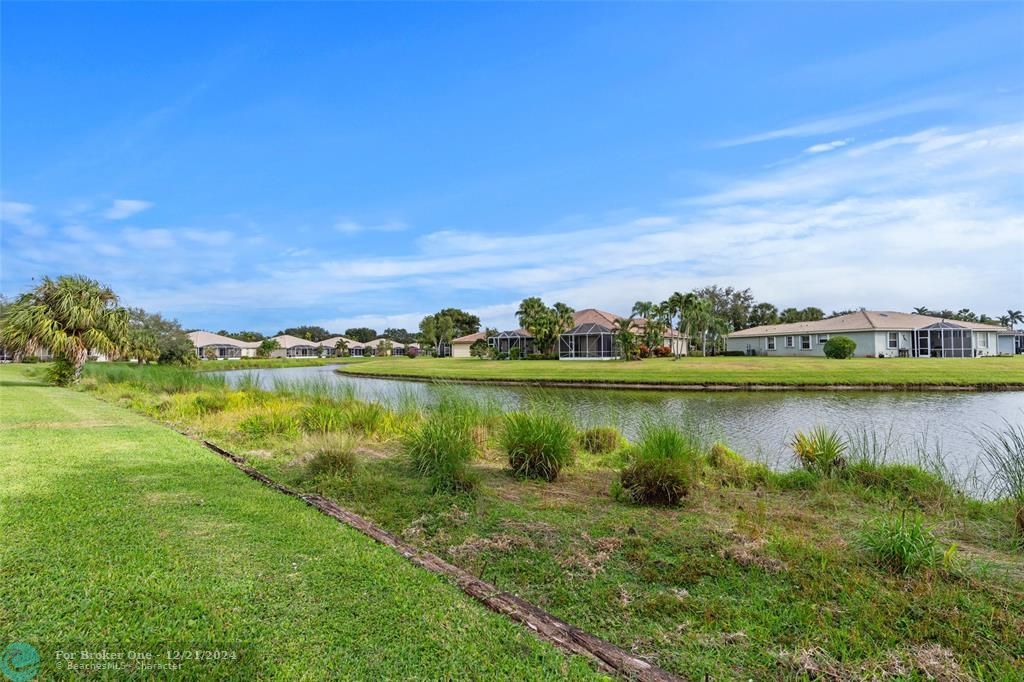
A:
(696, 387)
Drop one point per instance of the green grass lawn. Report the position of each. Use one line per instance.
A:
(749, 578)
(119, 533)
(1001, 371)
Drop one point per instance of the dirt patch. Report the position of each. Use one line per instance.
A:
(498, 543)
(749, 552)
(930, 661)
(587, 558)
(418, 529)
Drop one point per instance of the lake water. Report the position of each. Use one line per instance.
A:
(944, 424)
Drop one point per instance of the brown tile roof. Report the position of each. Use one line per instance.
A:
(862, 320)
(470, 338)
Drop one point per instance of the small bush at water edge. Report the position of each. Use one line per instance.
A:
(821, 451)
(441, 450)
(599, 440)
(331, 454)
(538, 445)
(1003, 455)
(664, 466)
(902, 543)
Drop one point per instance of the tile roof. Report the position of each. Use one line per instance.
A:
(202, 338)
(862, 320)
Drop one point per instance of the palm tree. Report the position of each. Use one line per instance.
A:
(341, 348)
(1004, 320)
(644, 309)
(922, 310)
(70, 316)
(565, 317)
(1015, 316)
(622, 332)
(691, 310)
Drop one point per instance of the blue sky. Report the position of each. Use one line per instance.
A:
(259, 165)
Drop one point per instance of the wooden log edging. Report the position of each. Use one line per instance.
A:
(546, 626)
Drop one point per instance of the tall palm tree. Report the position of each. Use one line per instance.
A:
(691, 309)
(565, 317)
(1015, 316)
(1004, 320)
(644, 309)
(922, 310)
(70, 316)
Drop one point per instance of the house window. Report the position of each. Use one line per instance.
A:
(789, 342)
(771, 343)
(982, 340)
(822, 338)
(805, 343)
(894, 340)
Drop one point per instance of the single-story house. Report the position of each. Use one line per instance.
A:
(221, 347)
(462, 344)
(876, 333)
(590, 338)
(294, 347)
(374, 347)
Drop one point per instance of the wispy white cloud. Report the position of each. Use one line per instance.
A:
(125, 208)
(847, 120)
(828, 146)
(351, 227)
(20, 215)
(931, 216)
(208, 237)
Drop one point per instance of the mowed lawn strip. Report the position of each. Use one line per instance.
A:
(1004, 371)
(119, 533)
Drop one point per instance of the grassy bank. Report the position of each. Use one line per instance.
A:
(120, 534)
(272, 363)
(741, 371)
(867, 569)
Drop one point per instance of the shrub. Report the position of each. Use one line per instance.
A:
(599, 440)
(412, 352)
(331, 455)
(840, 347)
(900, 543)
(733, 353)
(513, 354)
(538, 444)
(60, 373)
(440, 450)
(661, 351)
(29, 359)
(731, 468)
(905, 480)
(643, 351)
(663, 466)
(821, 451)
(321, 418)
(696, 353)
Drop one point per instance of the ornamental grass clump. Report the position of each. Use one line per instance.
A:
(822, 451)
(321, 418)
(600, 440)
(331, 455)
(664, 465)
(538, 444)
(902, 543)
(440, 450)
(1002, 451)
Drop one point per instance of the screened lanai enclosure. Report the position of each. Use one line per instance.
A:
(944, 340)
(587, 342)
(220, 351)
(506, 341)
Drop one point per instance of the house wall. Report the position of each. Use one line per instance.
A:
(1005, 345)
(867, 344)
(461, 350)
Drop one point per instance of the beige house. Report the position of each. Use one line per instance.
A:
(461, 345)
(221, 347)
(876, 333)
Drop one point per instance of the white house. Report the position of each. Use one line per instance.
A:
(876, 333)
(222, 347)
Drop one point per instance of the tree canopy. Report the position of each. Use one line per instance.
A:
(360, 334)
(307, 332)
(71, 316)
